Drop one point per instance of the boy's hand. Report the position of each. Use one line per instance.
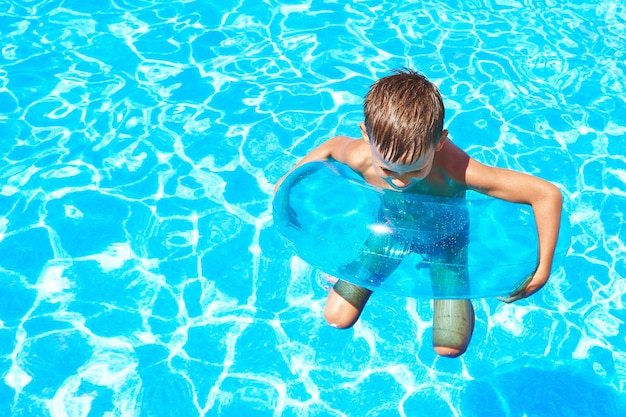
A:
(531, 285)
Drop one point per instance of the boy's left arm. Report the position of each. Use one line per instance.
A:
(546, 201)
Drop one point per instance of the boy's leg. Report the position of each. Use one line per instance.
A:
(453, 324)
(345, 300)
(453, 319)
(345, 303)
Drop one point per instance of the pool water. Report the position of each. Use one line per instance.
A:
(140, 141)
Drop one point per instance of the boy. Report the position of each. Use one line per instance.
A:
(404, 147)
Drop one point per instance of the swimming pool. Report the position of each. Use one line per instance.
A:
(140, 142)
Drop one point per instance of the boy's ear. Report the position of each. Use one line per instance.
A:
(364, 132)
(442, 140)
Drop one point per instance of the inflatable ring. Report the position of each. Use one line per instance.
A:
(410, 244)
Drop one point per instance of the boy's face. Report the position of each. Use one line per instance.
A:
(400, 176)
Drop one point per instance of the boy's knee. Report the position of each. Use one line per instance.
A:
(453, 324)
(450, 352)
(340, 321)
(344, 304)
(339, 312)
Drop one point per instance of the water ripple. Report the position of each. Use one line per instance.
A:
(141, 142)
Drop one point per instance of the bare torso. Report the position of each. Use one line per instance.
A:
(446, 178)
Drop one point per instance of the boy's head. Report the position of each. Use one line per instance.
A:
(403, 116)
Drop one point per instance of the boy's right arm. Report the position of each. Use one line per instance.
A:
(332, 148)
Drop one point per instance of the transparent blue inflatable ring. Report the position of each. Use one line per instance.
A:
(410, 244)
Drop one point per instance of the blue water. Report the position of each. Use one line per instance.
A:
(140, 141)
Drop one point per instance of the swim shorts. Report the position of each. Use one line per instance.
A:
(384, 252)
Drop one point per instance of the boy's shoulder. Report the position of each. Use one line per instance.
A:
(451, 154)
(452, 162)
(357, 154)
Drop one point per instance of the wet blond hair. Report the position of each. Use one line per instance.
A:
(403, 116)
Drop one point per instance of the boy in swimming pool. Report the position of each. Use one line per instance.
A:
(404, 147)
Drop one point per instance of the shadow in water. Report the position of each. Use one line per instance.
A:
(533, 392)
